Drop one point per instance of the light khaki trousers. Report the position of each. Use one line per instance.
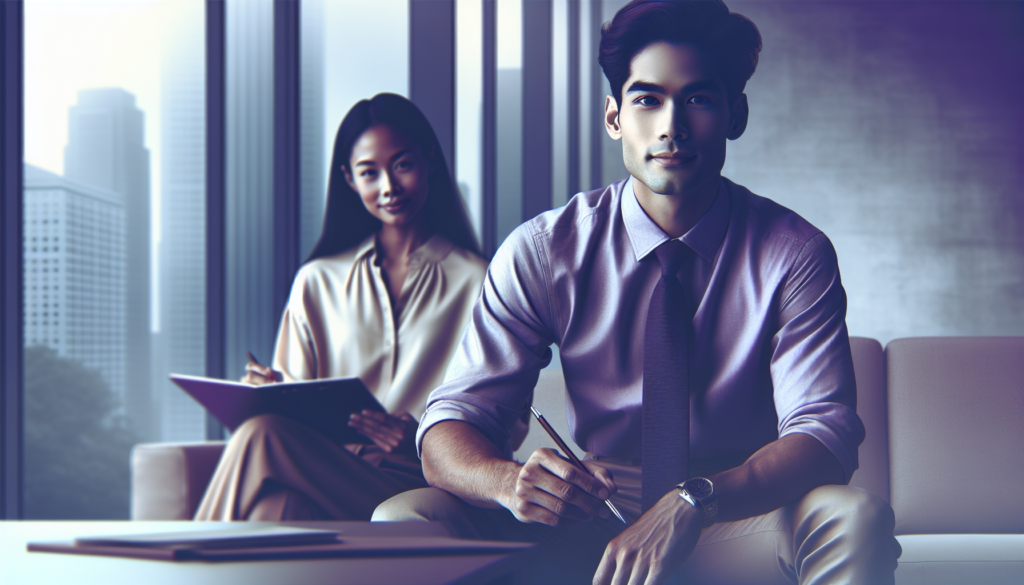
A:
(834, 534)
(276, 469)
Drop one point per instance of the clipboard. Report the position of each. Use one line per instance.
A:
(322, 405)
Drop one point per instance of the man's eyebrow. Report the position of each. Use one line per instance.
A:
(645, 86)
(699, 85)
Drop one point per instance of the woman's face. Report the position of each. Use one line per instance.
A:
(390, 173)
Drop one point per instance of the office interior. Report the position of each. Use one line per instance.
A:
(155, 213)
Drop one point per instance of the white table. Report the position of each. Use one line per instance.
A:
(20, 567)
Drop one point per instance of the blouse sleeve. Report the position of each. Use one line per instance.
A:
(295, 354)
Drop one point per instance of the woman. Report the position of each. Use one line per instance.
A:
(385, 296)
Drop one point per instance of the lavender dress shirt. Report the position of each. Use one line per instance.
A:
(770, 354)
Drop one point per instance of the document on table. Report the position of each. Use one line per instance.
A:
(273, 543)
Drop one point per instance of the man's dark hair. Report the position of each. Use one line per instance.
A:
(731, 40)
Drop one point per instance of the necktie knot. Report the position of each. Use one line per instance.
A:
(671, 255)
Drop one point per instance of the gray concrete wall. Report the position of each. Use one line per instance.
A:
(897, 128)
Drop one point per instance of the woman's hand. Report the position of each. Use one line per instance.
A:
(258, 375)
(392, 433)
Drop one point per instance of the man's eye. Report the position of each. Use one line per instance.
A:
(647, 101)
(403, 165)
(699, 100)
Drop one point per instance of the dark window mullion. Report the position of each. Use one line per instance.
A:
(215, 199)
(574, 99)
(432, 68)
(596, 97)
(537, 86)
(489, 179)
(287, 124)
(11, 155)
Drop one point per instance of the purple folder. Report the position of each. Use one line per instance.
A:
(323, 405)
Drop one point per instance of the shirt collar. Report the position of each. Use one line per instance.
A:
(433, 250)
(704, 237)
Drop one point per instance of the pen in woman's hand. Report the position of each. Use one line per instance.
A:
(572, 457)
(260, 369)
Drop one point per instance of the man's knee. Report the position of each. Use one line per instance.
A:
(424, 504)
(431, 505)
(856, 508)
(845, 534)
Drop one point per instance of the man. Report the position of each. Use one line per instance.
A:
(703, 341)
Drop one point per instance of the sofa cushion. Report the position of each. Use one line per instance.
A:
(961, 559)
(956, 431)
(873, 455)
(169, 479)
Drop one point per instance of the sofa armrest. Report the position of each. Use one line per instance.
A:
(169, 479)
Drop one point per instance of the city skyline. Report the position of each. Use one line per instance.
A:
(106, 148)
(74, 272)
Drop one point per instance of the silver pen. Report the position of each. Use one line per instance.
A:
(572, 457)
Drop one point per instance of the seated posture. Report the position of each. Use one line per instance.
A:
(384, 297)
(701, 330)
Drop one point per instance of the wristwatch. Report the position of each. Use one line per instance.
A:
(699, 492)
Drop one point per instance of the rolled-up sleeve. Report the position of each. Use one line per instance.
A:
(811, 366)
(490, 381)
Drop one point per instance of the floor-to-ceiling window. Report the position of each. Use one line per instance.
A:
(349, 51)
(113, 228)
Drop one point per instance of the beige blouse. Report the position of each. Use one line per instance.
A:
(339, 321)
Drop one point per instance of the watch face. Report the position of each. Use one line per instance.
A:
(699, 487)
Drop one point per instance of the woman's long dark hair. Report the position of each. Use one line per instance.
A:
(346, 221)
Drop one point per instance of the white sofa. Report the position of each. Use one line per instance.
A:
(945, 446)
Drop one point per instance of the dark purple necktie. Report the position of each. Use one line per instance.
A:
(666, 398)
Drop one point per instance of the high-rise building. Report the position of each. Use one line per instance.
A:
(180, 346)
(182, 217)
(75, 272)
(106, 149)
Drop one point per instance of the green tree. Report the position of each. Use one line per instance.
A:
(77, 446)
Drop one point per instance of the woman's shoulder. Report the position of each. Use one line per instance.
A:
(456, 261)
(468, 260)
(335, 266)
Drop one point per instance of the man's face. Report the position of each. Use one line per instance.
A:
(674, 119)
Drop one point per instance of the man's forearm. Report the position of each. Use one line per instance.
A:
(460, 459)
(777, 474)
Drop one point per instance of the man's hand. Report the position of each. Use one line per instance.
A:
(392, 433)
(650, 550)
(550, 490)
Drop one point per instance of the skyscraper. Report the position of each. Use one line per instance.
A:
(181, 343)
(105, 149)
(75, 272)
